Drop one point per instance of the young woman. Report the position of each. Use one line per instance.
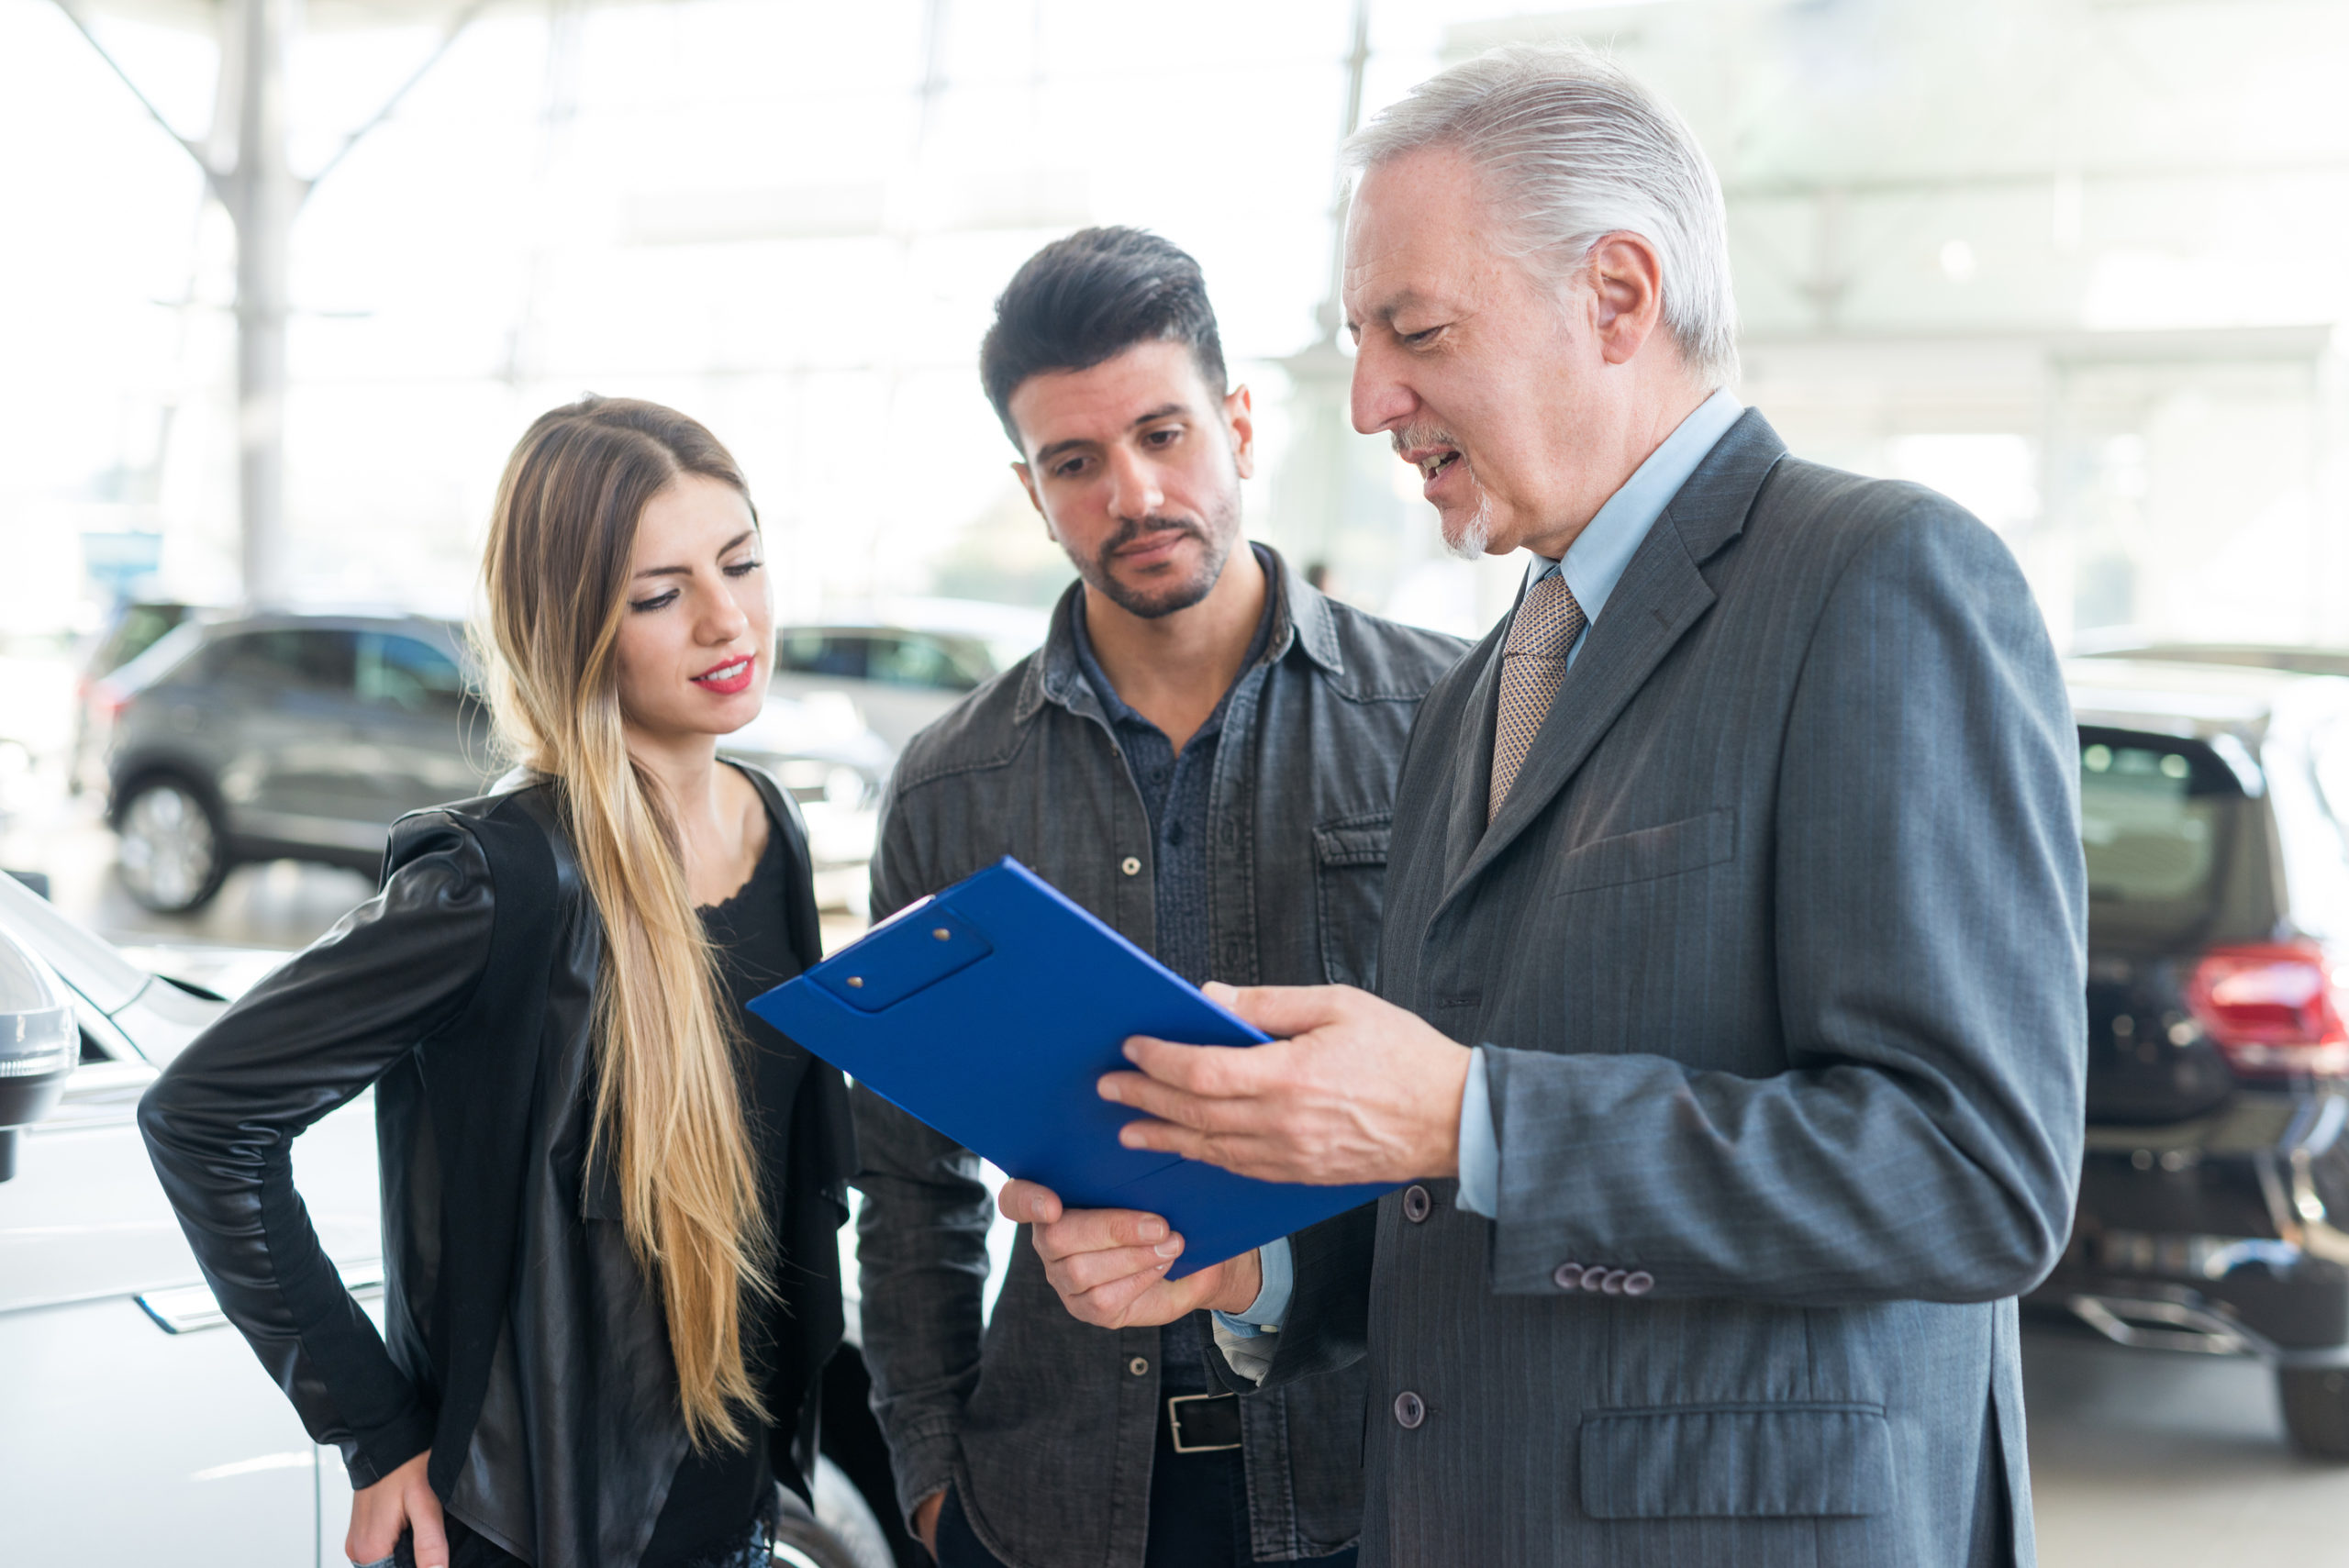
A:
(610, 1194)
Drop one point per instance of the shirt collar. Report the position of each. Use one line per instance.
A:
(1294, 615)
(1116, 707)
(1594, 564)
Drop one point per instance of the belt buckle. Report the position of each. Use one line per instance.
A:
(1175, 1421)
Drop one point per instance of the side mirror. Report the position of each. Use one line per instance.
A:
(39, 1043)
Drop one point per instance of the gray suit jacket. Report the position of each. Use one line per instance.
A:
(1779, 942)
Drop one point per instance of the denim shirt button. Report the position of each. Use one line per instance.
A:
(1131, 865)
(1139, 1366)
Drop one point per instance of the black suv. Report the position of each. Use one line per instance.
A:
(2214, 805)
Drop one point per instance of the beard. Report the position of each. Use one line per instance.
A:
(1470, 538)
(1467, 537)
(1216, 535)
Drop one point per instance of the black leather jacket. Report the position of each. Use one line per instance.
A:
(521, 1342)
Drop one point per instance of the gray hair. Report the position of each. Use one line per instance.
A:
(1573, 148)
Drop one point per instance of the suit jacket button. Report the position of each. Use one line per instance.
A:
(1640, 1284)
(1613, 1283)
(1409, 1411)
(1568, 1276)
(1595, 1277)
(1415, 1204)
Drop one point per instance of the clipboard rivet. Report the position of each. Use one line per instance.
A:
(941, 933)
(856, 982)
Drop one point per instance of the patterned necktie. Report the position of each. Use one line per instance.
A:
(1546, 624)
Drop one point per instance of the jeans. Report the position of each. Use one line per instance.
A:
(1198, 1516)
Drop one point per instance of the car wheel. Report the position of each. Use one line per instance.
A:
(170, 849)
(840, 1533)
(2316, 1410)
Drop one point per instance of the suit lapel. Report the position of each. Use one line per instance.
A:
(1662, 594)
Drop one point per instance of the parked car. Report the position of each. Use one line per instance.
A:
(2213, 1213)
(305, 735)
(134, 1414)
(905, 668)
(131, 631)
(283, 735)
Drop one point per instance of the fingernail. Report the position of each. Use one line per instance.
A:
(1151, 1230)
(1107, 1088)
(1130, 1052)
(1129, 1136)
(1169, 1248)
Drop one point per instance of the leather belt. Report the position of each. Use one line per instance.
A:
(1203, 1423)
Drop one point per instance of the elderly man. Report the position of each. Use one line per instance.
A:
(1732, 973)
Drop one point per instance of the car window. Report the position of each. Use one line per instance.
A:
(292, 657)
(915, 662)
(135, 633)
(839, 655)
(2156, 816)
(408, 675)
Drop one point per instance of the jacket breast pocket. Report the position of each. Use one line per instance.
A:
(1349, 892)
(1650, 853)
(1736, 1462)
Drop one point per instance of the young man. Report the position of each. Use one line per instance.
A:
(1204, 754)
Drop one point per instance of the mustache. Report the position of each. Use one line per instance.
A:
(1132, 528)
(1421, 436)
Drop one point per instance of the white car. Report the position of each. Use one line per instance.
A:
(137, 1427)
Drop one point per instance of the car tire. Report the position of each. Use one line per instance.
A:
(843, 1532)
(2316, 1410)
(171, 851)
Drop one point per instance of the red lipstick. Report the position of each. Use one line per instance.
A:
(730, 677)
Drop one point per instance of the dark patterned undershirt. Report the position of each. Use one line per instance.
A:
(1175, 790)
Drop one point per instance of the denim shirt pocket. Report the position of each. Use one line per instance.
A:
(1350, 894)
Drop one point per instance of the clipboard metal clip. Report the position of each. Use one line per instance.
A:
(902, 958)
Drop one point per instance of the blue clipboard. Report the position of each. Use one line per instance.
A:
(990, 1011)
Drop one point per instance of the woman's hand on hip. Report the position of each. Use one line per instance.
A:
(400, 1501)
(926, 1514)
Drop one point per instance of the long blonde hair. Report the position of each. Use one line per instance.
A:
(668, 1115)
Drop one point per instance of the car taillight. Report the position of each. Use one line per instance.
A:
(2274, 1008)
(107, 699)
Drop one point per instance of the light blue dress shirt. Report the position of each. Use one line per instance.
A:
(1592, 565)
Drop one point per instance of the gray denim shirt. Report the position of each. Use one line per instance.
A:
(1046, 1425)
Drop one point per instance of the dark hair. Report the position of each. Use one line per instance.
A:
(1090, 297)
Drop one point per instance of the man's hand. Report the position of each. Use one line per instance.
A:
(926, 1514)
(1351, 1090)
(400, 1501)
(1110, 1265)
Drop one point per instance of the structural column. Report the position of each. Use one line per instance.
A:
(262, 195)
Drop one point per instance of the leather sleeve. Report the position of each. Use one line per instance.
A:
(220, 1124)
